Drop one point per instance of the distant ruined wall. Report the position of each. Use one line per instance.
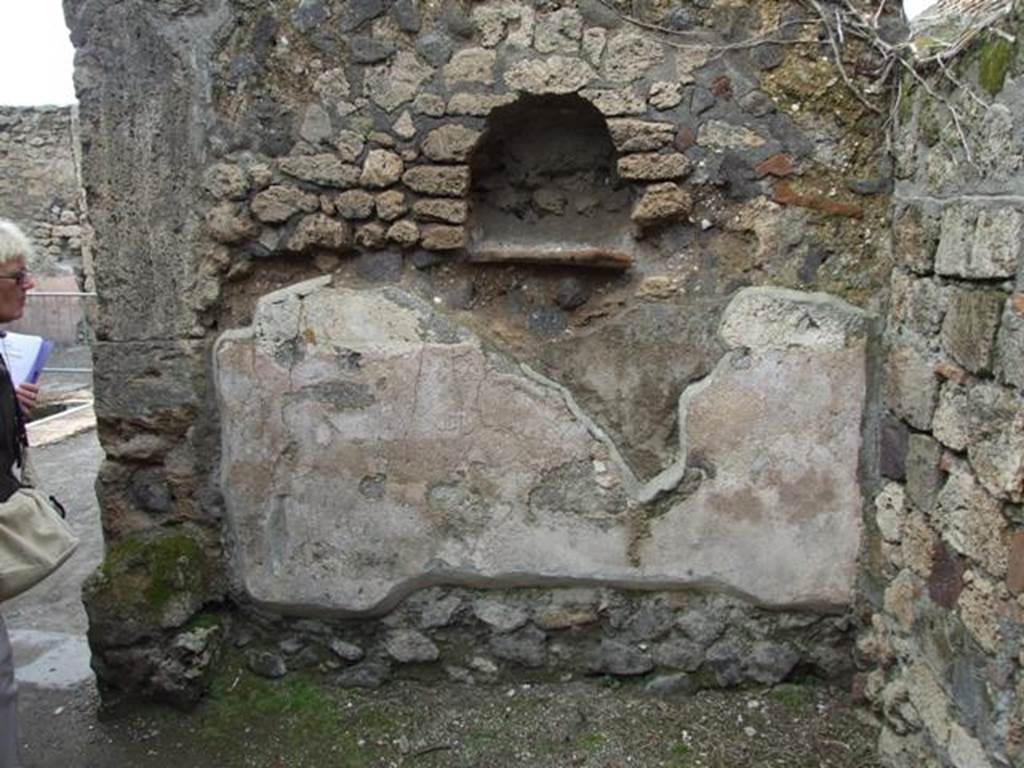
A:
(947, 553)
(39, 185)
(406, 309)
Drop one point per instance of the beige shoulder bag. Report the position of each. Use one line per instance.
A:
(34, 539)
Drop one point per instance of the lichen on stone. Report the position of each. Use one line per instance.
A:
(994, 62)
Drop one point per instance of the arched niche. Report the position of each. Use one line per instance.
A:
(544, 186)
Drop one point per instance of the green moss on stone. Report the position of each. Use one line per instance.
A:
(148, 573)
(994, 63)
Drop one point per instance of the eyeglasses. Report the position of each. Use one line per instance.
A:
(20, 277)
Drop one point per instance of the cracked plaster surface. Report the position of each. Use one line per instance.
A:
(371, 446)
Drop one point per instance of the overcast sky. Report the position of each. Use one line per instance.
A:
(35, 54)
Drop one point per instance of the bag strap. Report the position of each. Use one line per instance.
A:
(29, 474)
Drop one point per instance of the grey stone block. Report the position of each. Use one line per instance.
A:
(621, 659)
(912, 387)
(159, 385)
(980, 243)
(924, 478)
(969, 329)
(525, 646)
(1010, 343)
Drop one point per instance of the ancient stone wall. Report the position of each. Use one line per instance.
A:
(948, 546)
(405, 304)
(39, 185)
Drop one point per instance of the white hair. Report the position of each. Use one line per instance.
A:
(13, 243)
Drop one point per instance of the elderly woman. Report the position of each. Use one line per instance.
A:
(15, 282)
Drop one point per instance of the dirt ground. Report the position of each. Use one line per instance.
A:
(299, 721)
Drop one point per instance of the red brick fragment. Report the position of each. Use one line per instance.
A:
(946, 581)
(1017, 302)
(685, 138)
(785, 195)
(951, 371)
(721, 87)
(778, 165)
(1015, 577)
